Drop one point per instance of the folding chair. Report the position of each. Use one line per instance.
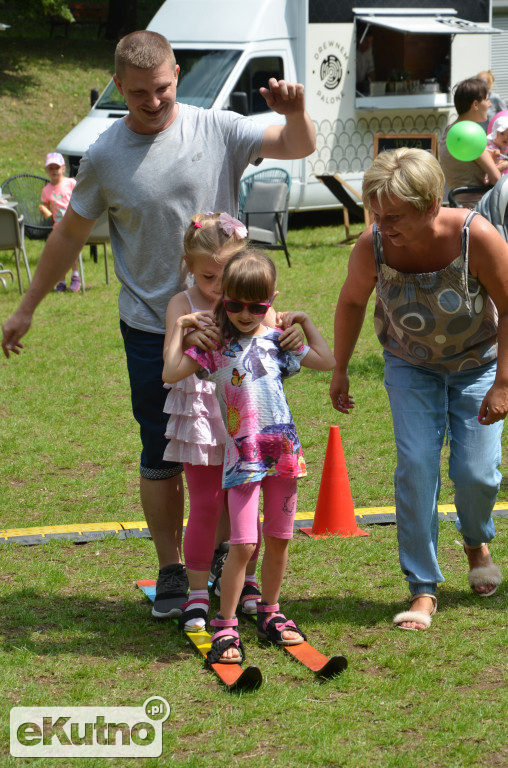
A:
(348, 196)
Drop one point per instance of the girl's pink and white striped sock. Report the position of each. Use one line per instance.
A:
(249, 606)
(198, 598)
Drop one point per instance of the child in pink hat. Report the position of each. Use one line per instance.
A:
(55, 198)
(497, 141)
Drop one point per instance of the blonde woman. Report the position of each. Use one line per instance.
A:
(441, 282)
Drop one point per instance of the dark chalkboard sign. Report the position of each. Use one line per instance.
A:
(384, 141)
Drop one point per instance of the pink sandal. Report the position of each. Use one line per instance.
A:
(224, 639)
(271, 629)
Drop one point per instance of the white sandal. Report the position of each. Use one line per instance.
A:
(418, 617)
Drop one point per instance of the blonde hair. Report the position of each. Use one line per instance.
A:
(144, 50)
(488, 76)
(205, 236)
(248, 276)
(411, 175)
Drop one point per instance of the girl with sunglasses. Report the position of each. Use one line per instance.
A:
(195, 428)
(263, 451)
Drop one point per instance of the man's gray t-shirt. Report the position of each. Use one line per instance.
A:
(151, 185)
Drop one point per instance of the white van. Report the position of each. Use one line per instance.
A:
(229, 48)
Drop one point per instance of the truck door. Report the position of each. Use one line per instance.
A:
(246, 99)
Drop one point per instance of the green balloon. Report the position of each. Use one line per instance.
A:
(466, 140)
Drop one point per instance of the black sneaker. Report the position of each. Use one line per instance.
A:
(218, 560)
(170, 592)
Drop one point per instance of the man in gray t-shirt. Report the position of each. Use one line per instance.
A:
(152, 171)
(147, 221)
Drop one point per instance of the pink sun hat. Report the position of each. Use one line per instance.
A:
(54, 158)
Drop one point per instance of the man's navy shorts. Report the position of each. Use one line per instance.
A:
(148, 395)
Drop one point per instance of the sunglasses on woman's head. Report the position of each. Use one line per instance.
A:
(254, 307)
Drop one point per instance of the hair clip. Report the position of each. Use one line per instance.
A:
(198, 225)
(232, 226)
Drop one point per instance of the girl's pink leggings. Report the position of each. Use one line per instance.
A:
(206, 496)
(279, 509)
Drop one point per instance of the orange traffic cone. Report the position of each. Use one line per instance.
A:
(335, 514)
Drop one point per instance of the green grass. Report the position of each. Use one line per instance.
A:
(76, 631)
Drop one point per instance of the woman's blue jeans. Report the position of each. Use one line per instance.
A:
(426, 404)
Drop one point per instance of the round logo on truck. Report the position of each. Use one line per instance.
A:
(331, 72)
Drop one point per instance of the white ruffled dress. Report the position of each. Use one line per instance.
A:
(195, 428)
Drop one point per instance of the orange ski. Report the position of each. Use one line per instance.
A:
(323, 666)
(233, 676)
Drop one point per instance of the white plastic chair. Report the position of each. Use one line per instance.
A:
(12, 238)
(3, 272)
(100, 236)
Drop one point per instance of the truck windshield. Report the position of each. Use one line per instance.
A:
(202, 75)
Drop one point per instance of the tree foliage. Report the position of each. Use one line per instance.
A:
(121, 14)
(51, 8)
(124, 16)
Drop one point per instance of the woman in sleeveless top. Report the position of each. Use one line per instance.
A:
(441, 281)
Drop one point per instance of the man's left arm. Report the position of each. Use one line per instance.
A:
(295, 139)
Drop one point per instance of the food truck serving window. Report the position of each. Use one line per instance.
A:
(406, 52)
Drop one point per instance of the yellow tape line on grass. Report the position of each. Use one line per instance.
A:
(140, 525)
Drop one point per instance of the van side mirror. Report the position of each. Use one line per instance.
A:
(239, 102)
(94, 95)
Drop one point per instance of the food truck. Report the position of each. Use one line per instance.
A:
(228, 49)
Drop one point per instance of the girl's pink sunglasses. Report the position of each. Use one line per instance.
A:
(254, 307)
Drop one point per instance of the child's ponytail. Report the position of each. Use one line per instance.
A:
(218, 235)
